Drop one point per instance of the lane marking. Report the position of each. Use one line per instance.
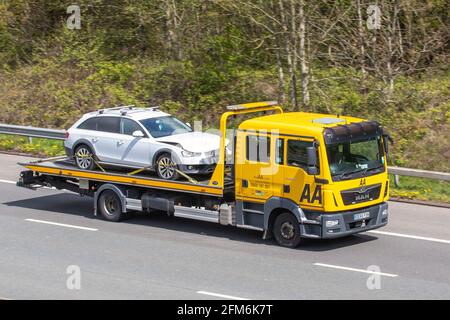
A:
(219, 295)
(409, 236)
(61, 224)
(7, 181)
(14, 182)
(356, 270)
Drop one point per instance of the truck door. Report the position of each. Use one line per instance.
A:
(254, 168)
(298, 185)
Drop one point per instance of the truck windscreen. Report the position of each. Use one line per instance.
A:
(354, 159)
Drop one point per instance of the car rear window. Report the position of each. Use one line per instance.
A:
(89, 124)
(108, 124)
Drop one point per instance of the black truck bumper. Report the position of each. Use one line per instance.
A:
(344, 223)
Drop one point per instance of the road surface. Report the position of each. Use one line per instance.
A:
(47, 236)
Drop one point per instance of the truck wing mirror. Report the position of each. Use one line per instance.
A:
(313, 161)
(386, 140)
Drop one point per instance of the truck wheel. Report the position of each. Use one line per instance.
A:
(286, 230)
(84, 157)
(110, 206)
(166, 167)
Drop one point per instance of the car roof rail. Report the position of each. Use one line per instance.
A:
(129, 107)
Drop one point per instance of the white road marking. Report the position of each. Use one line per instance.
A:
(62, 224)
(409, 236)
(14, 182)
(219, 295)
(7, 181)
(356, 270)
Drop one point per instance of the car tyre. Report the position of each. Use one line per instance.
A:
(286, 230)
(84, 157)
(166, 167)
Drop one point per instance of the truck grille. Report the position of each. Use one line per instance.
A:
(361, 194)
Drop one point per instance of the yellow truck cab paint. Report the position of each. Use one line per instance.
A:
(344, 191)
(291, 175)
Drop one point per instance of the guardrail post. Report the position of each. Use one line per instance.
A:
(396, 180)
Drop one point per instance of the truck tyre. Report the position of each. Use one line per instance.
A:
(286, 230)
(84, 157)
(166, 168)
(110, 206)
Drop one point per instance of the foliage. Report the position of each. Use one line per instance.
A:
(193, 57)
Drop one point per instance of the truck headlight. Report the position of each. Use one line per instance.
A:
(190, 154)
(384, 212)
(331, 223)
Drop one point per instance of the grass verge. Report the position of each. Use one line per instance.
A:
(420, 189)
(33, 146)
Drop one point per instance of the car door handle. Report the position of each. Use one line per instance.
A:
(120, 142)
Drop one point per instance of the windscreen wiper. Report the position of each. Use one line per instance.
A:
(347, 172)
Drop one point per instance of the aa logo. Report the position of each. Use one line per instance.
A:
(315, 196)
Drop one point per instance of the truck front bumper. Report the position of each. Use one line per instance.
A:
(344, 223)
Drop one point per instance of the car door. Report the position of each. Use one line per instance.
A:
(106, 140)
(135, 151)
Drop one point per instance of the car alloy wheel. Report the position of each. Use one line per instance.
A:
(83, 158)
(166, 167)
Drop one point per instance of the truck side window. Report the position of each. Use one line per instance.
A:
(296, 153)
(279, 149)
(258, 148)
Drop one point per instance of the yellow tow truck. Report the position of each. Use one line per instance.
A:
(290, 175)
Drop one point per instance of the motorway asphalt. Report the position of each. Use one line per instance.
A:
(157, 257)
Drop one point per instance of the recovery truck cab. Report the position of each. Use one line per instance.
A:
(291, 175)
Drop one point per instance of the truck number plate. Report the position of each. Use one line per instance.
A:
(362, 215)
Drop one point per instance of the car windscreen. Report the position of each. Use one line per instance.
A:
(165, 126)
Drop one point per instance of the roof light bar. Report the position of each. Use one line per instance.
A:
(252, 105)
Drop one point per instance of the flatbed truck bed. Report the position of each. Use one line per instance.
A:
(137, 192)
(65, 168)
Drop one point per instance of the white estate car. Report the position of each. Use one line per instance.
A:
(136, 138)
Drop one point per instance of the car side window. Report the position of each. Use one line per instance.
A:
(89, 124)
(296, 153)
(128, 126)
(109, 124)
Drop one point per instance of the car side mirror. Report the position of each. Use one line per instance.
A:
(138, 134)
(313, 161)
